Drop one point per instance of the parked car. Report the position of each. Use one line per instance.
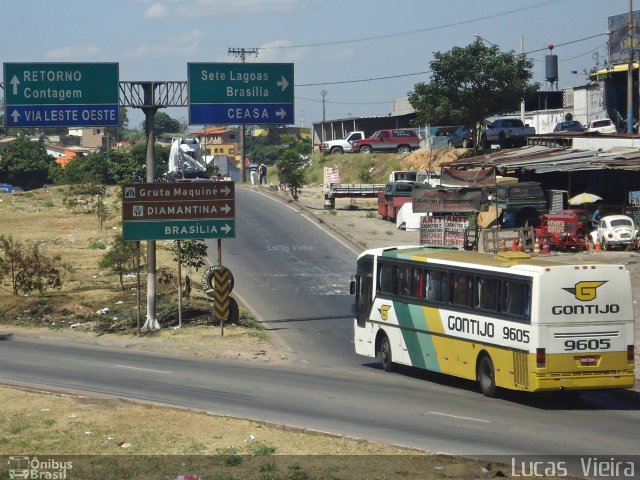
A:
(506, 132)
(402, 140)
(462, 137)
(602, 125)
(569, 126)
(614, 231)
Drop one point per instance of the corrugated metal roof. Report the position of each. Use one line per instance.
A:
(540, 159)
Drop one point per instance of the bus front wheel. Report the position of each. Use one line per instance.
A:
(487, 376)
(385, 354)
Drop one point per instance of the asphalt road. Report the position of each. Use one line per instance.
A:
(294, 277)
(302, 292)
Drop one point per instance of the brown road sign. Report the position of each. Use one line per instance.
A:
(177, 192)
(178, 211)
(163, 210)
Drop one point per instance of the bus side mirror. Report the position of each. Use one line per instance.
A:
(352, 287)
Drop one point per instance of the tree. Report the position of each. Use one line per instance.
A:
(91, 168)
(165, 124)
(123, 166)
(261, 150)
(115, 132)
(121, 258)
(192, 253)
(161, 161)
(27, 164)
(291, 171)
(29, 269)
(471, 83)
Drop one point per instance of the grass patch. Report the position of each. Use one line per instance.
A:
(376, 167)
(98, 245)
(261, 449)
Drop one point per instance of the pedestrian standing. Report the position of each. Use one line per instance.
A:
(478, 133)
(595, 219)
(262, 170)
(253, 172)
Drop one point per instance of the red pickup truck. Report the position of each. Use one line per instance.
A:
(402, 140)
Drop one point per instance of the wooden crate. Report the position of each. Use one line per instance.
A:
(490, 239)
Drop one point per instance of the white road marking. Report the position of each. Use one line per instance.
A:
(142, 369)
(459, 417)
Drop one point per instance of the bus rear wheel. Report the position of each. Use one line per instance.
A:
(487, 376)
(385, 354)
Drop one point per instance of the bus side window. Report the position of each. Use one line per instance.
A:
(387, 278)
(462, 293)
(517, 299)
(416, 283)
(404, 281)
(488, 294)
(433, 286)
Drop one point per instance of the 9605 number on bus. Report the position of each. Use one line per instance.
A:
(592, 344)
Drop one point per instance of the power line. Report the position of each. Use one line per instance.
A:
(583, 54)
(342, 103)
(567, 43)
(411, 32)
(360, 80)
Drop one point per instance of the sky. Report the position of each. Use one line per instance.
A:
(361, 53)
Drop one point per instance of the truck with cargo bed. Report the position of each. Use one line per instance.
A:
(506, 132)
(342, 145)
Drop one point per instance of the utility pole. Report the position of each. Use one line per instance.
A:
(630, 71)
(323, 92)
(242, 53)
(522, 104)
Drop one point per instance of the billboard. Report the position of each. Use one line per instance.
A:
(619, 40)
(435, 200)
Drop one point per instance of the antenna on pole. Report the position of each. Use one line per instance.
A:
(242, 53)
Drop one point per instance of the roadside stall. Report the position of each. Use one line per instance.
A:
(565, 229)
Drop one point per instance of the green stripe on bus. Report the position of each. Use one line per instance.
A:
(420, 346)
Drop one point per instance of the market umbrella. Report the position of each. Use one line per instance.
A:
(584, 198)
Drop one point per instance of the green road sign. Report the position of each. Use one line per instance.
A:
(61, 94)
(240, 82)
(178, 229)
(240, 93)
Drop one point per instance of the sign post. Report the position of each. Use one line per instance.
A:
(240, 93)
(61, 95)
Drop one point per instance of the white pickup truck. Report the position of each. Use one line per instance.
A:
(342, 145)
(506, 132)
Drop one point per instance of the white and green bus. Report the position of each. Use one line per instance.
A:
(507, 320)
